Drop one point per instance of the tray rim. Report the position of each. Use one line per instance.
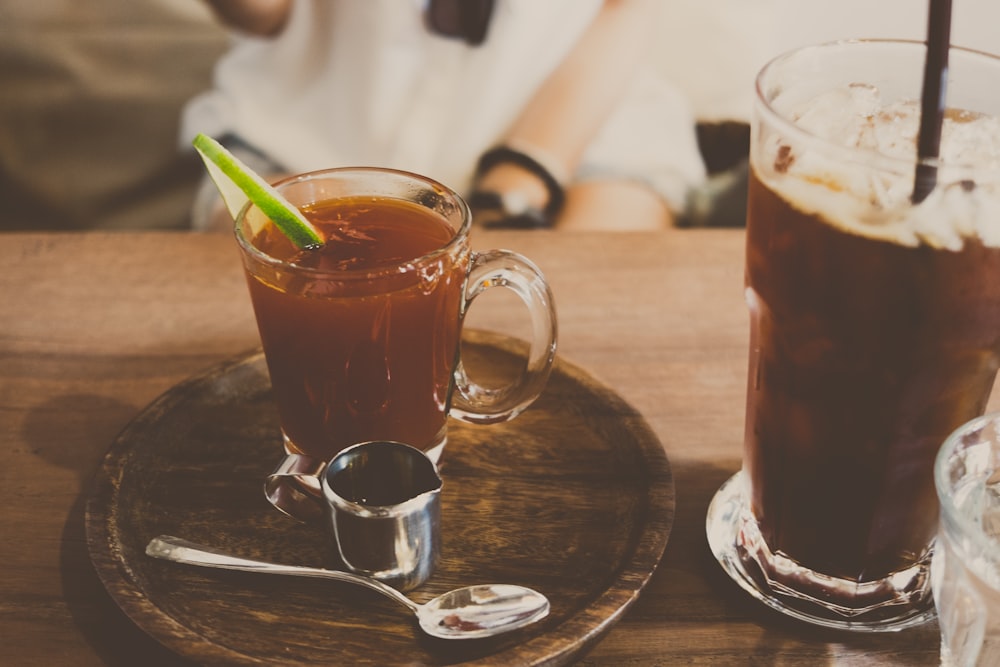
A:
(576, 635)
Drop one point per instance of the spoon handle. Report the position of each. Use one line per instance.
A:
(178, 550)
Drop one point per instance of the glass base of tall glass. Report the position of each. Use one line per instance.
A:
(896, 603)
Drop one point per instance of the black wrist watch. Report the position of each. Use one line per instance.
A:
(511, 209)
(508, 210)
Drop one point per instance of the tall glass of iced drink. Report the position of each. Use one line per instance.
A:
(875, 328)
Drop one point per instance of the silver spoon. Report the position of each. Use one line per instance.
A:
(471, 612)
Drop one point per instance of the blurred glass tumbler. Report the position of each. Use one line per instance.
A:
(384, 508)
(875, 328)
(362, 336)
(965, 570)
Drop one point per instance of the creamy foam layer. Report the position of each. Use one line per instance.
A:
(867, 191)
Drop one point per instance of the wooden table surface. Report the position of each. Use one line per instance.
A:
(94, 326)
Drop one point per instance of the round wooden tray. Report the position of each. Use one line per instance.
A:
(574, 498)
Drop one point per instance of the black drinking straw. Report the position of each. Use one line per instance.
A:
(932, 101)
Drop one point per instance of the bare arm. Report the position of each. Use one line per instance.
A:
(264, 18)
(570, 108)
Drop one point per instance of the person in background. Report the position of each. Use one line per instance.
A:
(543, 113)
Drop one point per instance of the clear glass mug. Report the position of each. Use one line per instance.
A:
(875, 329)
(372, 353)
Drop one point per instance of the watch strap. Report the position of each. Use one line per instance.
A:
(532, 163)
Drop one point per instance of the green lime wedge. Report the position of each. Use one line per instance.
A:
(238, 183)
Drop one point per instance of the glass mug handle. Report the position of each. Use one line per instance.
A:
(476, 404)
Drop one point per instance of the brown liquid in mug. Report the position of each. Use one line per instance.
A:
(864, 356)
(356, 358)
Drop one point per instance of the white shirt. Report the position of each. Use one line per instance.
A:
(364, 82)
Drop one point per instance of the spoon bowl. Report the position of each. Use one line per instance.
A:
(472, 612)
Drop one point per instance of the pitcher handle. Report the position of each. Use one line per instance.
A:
(294, 487)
